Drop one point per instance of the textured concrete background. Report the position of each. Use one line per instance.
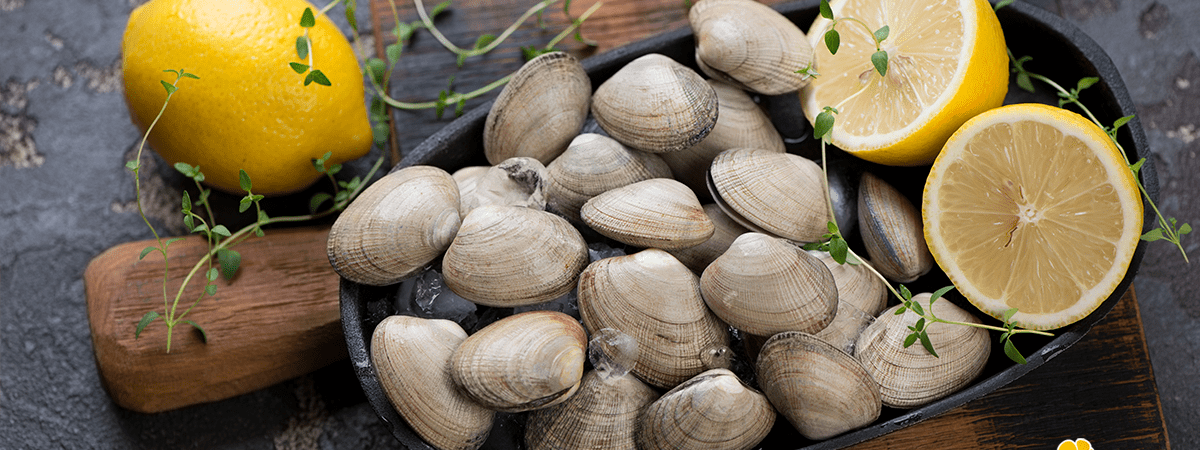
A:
(65, 197)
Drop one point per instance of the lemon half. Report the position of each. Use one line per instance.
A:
(947, 62)
(1032, 207)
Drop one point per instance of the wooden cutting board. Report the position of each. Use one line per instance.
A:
(277, 319)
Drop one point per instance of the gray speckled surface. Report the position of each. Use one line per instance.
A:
(64, 198)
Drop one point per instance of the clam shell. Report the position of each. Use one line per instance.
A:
(510, 256)
(522, 362)
(659, 213)
(399, 224)
(412, 360)
(654, 298)
(714, 410)
(749, 43)
(764, 285)
(856, 284)
(698, 257)
(539, 111)
(741, 123)
(592, 165)
(602, 415)
(911, 377)
(821, 390)
(517, 181)
(655, 104)
(777, 193)
(892, 231)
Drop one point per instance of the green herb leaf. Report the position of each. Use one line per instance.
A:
(1122, 121)
(1023, 82)
(916, 307)
(925, 342)
(146, 319)
(1010, 349)
(380, 133)
(245, 204)
(189, 75)
(881, 34)
(131, 165)
(1137, 166)
(439, 8)
(1085, 83)
(319, 163)
(317, 200)
(880, 60)
(203, 335)
(901, 310)
(832, 41)
(826, 11)
(211, 289)
(189, 222)
(301, 49)
(376, 69)
(244, 180)
(1153, 235)
(484, 40)
(307, 20)
(212, 274)
(187, 202)
(202, 228)
(920, 326)
(146, 251)
(262, 217)
(221, 230)
(458, 107)
(351, 6)
(1184, 229)
(910, 340)
(1008, 314)
(823, 125)
(168, 86)
(939, 293)
(1002, 3)
(298, 68)
(905, 294)
(317, 77)
(230, 260)
(838, 249)
(393, 52)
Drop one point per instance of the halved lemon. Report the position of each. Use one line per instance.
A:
(946, 63)
(1032, 207)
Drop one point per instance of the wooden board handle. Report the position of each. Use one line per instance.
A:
(277, 319)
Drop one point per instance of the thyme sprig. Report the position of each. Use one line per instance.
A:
(1169, 229)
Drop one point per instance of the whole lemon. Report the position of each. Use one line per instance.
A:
(248, 110)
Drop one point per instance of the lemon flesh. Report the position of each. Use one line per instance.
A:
(1032, 207)
(947, 62)
(249, 110)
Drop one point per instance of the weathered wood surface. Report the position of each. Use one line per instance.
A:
(1101, 389)
(277, 319)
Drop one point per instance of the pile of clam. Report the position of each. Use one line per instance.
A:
(821, 349)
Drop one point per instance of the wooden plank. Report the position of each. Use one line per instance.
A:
(277, 319)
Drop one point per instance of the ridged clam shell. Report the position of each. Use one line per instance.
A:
(714, 410)
(602, 415)
(539, 111)
(750, 43)
(698, 257)
(655, 104)
(659, 213)
(821, 390)
(517, 181)
(654, 298)
(592, 165)
(856, 284)
(522, 362)
(399, 224)
(911, 377)
(764, 285)
(892, 231)
(741, 123)
(777, 193)
(510, 256)
(412, 360)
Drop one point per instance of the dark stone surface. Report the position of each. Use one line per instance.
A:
(64, 197)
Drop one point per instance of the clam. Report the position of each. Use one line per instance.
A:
(602, 415)
(399, 224)
(412, 360)
(777, 193)
(821, 390)
(521, 362)
(654, 298)
(655, 104)
(749, 43)
(592, 165)
(517, 181)
(699, 256)
(741, 123)
(659, 213)
(764, 285)
(892, 231)
(714, 410)
(848, 323)
(510, 256)
(539, 111)
(912, 377)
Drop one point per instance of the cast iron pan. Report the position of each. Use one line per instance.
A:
(1059, 50)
